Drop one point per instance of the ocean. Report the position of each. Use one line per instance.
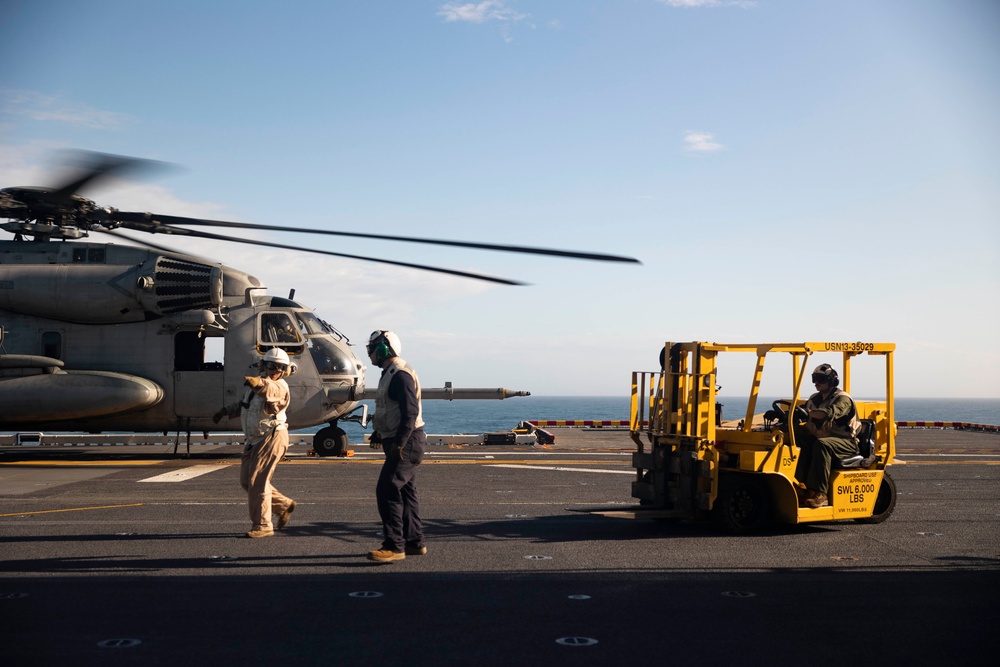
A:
(448, 417)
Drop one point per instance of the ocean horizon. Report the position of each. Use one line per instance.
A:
(484, 416)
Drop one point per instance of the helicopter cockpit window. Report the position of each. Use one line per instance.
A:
(278, 330)
(329, 359)
(310, 324)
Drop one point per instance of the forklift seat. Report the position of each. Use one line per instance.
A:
(866, 447)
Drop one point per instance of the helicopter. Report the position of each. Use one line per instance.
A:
(98, 337)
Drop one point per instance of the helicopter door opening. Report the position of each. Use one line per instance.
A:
(198, 382)
(215, 351)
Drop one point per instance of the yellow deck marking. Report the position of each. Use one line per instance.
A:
(561, 468)
(75, 509)
(486, 462)
(949, 463)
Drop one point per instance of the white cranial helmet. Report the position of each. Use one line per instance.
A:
(278, 356)
(384, 344)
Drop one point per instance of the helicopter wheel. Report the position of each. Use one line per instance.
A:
(330, 441)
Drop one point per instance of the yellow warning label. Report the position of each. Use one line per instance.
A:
(853, 493)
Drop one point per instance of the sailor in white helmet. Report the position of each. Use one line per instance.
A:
(398, 427)
(262, 412)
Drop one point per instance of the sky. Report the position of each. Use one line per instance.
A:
(785, 171)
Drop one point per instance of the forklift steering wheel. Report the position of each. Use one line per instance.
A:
(799, 414)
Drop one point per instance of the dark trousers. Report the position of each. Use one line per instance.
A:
(396, 494)
(816, 458)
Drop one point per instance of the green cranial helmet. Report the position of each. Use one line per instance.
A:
(826, 373)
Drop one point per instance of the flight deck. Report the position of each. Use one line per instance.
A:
(126, 555)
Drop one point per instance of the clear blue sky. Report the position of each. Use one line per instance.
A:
(785, 170)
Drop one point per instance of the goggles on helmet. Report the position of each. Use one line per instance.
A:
(377, 338)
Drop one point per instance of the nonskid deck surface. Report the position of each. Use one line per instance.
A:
(146, 552)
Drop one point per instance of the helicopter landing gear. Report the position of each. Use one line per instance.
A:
(330, 441)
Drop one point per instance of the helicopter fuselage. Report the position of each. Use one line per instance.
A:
(101, 337)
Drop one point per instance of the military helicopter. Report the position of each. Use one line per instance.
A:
(98, 337)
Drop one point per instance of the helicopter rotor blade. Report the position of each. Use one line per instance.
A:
(158, 228)
(96, 166)
(178, 220)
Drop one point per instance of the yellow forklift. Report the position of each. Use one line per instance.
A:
(741, 474)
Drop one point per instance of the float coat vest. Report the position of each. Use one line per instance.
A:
(256, 421)
(387, 414)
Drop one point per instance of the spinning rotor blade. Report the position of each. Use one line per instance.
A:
(59, 213)
(96, 166)
(177, 220)
(155, 227)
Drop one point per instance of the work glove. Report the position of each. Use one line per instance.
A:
(217, 417)
(375, 442)
(253, 381)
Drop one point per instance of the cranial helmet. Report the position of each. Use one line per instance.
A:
(278, 356)
(826, 372)
(384, 344)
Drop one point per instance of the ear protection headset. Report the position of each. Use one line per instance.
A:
(380, 346)
(382, 350)
(827, 372)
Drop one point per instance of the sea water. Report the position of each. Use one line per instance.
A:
(484, 416)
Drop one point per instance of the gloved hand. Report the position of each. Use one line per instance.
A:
(375, 442)
(217, 417)
(253, 381)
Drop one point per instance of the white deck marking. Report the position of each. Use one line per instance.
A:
(185, 473)
(561, 469)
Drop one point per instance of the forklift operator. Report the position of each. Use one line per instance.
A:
(831, 431)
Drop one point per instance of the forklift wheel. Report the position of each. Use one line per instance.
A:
(884, 503)
(742, 505)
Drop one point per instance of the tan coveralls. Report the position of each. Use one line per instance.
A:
(265, 426)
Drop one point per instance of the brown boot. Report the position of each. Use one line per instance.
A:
(286, 516)
(817, 500)
(266, 531)
(386, 555)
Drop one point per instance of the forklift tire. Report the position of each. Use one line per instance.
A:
(330, 441)
(743, 503)
(884, 503)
